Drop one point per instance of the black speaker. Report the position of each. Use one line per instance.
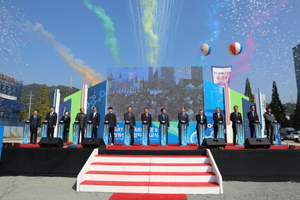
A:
(262, 143)
(93, 143)
(214, 143)
(50, 142)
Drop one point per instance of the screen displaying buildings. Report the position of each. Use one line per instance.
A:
(155, 88)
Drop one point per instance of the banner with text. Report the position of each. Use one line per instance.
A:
(221, 75)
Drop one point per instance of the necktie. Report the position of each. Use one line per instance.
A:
(201, 117)
(163, 116)
(34, 116)
(146, 114)
(129, 115)
(94, 114)
(218, 115)
(51, 114)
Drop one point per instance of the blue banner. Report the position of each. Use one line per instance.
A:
(97, 98)
(213, 97)
(1, 140)
(63, 107)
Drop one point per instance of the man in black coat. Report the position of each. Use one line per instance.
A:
(253, 118)
(163, 118)
(35, 124)
(235, 117)
(111, 119)
(95, 118)
(51, 118)
(201, 119)
(81, 119)
(218, 119)
(183, 118)
(129, 118)
(269, 120)
(146, 118)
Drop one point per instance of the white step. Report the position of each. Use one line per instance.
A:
(146, 188)
(152, 168)
(152, 159)
(98, 176)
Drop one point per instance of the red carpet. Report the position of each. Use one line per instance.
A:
(137, 196)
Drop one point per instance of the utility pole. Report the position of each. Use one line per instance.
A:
(30, 98)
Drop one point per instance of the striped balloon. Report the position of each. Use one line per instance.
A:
(205, 49)
(235, 48)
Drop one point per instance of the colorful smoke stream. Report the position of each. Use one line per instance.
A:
(90, 74)
(248, 54)
(110, 40)
(149, 21)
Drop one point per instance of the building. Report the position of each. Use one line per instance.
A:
(10, 99)
(296, 55)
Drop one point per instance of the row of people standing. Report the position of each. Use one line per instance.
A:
(51, 120)
(146, 118)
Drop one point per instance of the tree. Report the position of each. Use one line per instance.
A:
(277, 107)
(296, 116)
(23, 114)
(248, 91)
(42, 104)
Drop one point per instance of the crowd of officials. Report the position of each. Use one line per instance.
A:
(146, 118)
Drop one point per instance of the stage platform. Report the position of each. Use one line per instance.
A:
(235, 163)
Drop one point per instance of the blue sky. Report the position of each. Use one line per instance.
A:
(271, 26)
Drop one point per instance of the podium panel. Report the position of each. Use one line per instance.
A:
(26, 131)
(144, 134)
(126, 135)
(163, 130)
(183, 134)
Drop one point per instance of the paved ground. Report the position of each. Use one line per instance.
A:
(35, 188)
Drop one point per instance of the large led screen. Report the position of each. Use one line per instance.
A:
(155, 88)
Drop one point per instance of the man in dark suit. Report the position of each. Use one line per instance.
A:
(253, 118)
(235, 117)
(183, 118)
(111, 119)
(201, 119)
(218, 119)
(51, 118)
(129, 118)
(146, 118)
(35, 124)
(163, 118)
(269, 120)
(81, 119)
(95, 118)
